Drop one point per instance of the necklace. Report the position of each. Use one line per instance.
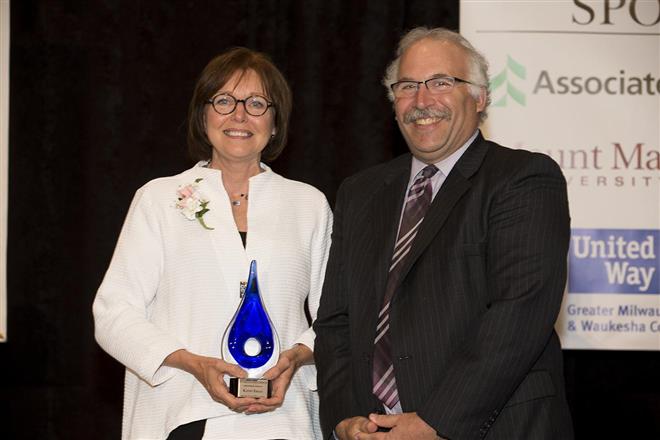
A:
(237, 202)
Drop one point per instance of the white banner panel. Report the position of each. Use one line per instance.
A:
(4, 139)
(580, 81)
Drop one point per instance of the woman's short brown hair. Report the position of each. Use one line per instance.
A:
(215, 75)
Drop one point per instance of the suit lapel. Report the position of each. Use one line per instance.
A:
(455, 185)
(387, 206)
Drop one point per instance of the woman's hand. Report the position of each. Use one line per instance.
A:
(209, 372)
(280, 375)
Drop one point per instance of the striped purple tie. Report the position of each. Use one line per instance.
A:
(417, 203)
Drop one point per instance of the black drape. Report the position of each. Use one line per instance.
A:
(99, 94)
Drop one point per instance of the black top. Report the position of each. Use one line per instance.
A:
(243, 236)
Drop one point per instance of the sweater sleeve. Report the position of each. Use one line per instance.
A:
(130, 285)
(320, 246)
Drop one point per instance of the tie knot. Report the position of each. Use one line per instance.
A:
(429, 171)
(422, 180)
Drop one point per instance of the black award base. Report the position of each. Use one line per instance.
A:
(250, 387)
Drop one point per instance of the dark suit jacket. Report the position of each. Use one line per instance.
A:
(471, 323)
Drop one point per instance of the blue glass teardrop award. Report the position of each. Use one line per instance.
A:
(251, 342)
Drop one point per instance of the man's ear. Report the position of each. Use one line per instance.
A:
(481, 100)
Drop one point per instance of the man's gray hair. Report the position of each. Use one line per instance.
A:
(478, 66)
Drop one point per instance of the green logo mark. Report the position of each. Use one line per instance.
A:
(518, 70)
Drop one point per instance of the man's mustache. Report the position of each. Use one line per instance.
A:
(424, 113)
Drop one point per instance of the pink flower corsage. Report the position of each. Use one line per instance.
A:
(192, 203)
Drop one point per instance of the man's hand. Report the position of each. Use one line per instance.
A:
(353, 428)
(406, 426)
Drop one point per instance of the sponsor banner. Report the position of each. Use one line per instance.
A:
(4, 139)
(614, 261)
(580, 82)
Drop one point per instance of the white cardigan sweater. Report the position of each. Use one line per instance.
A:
(172, 284)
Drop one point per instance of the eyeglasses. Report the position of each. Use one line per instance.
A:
(436, 86)
(255, 105)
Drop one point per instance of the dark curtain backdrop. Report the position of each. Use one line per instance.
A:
(99, 94)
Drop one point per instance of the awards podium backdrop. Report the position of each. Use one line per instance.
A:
(580, 81)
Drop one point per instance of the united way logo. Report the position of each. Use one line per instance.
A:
(503, 86)
(614, 261)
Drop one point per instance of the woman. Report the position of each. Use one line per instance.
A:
(173, 283)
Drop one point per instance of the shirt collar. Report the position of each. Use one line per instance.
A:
(445, 165)
(202, 166)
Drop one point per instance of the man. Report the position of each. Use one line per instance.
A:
(444, 281)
